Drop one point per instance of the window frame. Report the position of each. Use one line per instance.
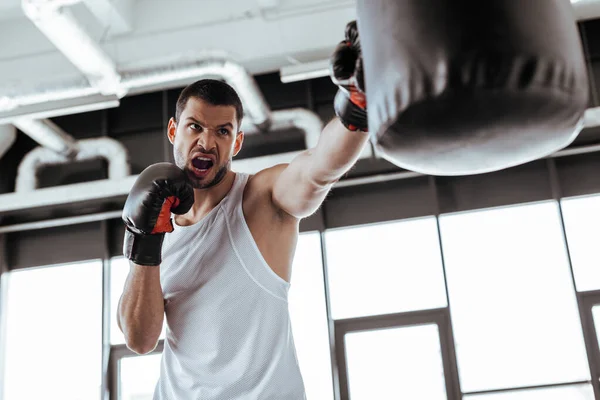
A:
(117, 353)
(439, 316)
(587, 301)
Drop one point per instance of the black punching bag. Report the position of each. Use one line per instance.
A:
(458, 87)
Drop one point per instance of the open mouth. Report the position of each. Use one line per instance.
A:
(202, 165)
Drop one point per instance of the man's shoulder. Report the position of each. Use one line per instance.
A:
(259, 189)
(264, 180)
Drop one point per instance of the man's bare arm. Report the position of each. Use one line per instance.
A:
(141, 308)
(303, 184)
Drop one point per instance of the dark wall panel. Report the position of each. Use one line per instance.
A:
(145, 148)
(137, 114)
(116, 232)
(579, 175)
(525, 183)
(294, 94)
(379, 202)
(3, 258)
(75, 172)
(591, 30)
(9, 163)
(55, 245)
(85, 125)
(315, 222)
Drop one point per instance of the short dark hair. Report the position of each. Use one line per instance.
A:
(215, 92)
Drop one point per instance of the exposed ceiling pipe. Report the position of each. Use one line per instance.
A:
(49, 135)
(62, 29)
(8, 135)
(307, 121)
(208, 64)
(109, 149)
(58, 24)
(300, 118)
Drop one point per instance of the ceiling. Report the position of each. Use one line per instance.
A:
(263, 35)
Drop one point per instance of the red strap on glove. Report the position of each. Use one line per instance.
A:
(347, 73)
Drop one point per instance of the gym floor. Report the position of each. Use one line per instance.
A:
(407, 286)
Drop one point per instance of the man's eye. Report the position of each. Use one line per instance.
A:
(195, 127)
(223, 131)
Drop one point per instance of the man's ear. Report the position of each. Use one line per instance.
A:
(239, 140)
(171, 130)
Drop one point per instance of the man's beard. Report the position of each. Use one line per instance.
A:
(196, 182)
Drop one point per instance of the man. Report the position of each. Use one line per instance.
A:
(220, 269)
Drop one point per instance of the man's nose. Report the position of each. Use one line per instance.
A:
(206, 140)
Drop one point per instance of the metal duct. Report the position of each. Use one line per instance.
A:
(109, 149)
(8, 135)
(300, 118)
(49, 135)
(64, 31)
(214, 64)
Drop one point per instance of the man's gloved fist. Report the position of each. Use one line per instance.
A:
(350, 102)
(161, 189)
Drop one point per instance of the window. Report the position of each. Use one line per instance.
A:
(385, 268)
(138, 377)
(582, 225)
(513, 305)
(396, 363)
(574, 392)
(119, 269)
(308, 312)
(53, 347)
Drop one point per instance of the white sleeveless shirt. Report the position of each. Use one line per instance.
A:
(228, 330)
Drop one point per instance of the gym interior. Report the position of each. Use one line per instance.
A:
(404, 285)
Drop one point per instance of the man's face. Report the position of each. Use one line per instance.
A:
(205, 139)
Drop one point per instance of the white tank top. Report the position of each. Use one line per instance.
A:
(228, 330)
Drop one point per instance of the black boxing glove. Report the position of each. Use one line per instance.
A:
(161, 189)
(346, 69)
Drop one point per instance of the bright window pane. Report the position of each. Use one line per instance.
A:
(308, 312)
(582, 224)
(513, 304)
(398, 363)
(53, 347)
(575, 392)
(385, 268)
(119, 269)
(139, 376)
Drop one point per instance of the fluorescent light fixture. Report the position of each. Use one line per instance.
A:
(304, 71)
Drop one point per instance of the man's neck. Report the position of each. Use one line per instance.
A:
(206, 199)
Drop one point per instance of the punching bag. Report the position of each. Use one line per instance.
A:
(459, 87)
